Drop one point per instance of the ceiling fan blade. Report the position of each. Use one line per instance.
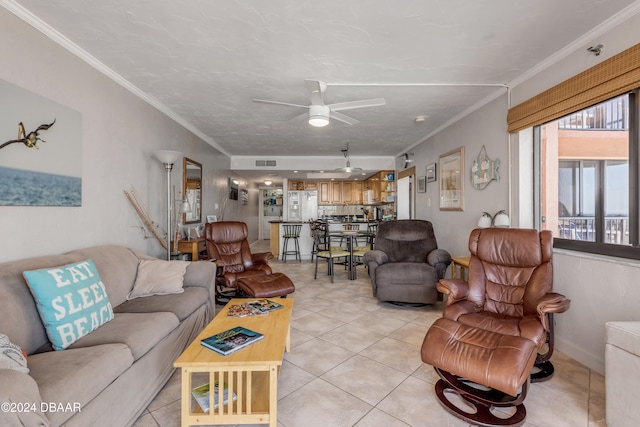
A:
(264, 101)
(315, 91)
(357, 104)
(305, 115)
(342, 118)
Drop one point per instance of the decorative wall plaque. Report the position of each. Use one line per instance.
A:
(484, 170)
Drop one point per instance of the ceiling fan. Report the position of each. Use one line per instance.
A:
(319, 112)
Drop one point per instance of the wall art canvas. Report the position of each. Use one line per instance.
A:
(41, 150)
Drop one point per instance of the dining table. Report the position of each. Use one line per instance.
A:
(351, 236)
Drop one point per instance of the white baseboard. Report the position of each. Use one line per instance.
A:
(578, 354)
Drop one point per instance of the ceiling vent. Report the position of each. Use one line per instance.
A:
(266, 163)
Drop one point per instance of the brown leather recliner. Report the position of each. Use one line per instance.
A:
(227, 244)
(495, 324)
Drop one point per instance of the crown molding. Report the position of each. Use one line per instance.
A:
(611, 23)
(67, 44)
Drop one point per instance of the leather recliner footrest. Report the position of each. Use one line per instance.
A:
(502, 362)
(269, 286)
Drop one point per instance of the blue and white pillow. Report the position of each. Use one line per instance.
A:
(71, 299)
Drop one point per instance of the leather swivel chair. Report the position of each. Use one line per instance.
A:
(406, 264)
(495, 325)
(227, 244)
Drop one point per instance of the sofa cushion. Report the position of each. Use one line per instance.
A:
(158, 277)
(71, 301)
(77, 375)
(182, 305)
(138, 331)
(23, 390)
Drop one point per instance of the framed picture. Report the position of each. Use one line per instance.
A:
(452, 180)
(431, 172)
(422, 184)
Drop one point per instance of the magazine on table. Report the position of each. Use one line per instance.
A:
(231, 340)
(201, 393)
(260, 307)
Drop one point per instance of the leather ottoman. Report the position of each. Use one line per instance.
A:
(269, 286)
(498, 361)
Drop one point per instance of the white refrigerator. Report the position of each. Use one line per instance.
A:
(302, 205)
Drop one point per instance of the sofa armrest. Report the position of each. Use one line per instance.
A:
(20, 388)
(261, 257)
(200, 273)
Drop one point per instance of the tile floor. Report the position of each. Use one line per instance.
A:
(356, 362)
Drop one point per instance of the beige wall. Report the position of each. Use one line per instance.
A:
(119, 133)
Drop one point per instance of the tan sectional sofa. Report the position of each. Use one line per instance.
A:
(108, 377)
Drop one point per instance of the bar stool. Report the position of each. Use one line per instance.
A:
(291, 232)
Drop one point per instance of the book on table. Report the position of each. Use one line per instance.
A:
(201, 394)
(231, 340)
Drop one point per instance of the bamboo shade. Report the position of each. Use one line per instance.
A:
(615, 76)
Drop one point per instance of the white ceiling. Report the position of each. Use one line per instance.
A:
(203, 61)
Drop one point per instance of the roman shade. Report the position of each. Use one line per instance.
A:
(615, 76)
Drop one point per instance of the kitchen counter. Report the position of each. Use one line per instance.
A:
(305, 241)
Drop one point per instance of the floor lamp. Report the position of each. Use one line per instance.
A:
(168, 158)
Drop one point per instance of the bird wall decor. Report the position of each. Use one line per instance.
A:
(29, 139)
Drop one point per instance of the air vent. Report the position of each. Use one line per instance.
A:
(266, 163)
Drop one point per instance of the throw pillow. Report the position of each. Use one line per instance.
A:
(12, 356)
(71, 300)
(158, 277)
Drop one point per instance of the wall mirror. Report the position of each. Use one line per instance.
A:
(192, 179)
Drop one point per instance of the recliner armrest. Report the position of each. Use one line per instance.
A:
(455, 289)
(261, 257)
(376, 256)
(440, 260)
(551, 303)
(439, 256)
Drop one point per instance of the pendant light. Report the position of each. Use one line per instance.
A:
(348, 168)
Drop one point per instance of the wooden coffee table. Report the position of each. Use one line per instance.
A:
(251, 372)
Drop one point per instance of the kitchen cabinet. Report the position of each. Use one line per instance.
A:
(347, 192)
(324, 193)
(296, 185)
(358, 187)
(311, 185)
(336, 192)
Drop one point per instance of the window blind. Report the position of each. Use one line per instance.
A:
(615, 76)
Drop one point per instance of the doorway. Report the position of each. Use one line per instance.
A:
(405, 200)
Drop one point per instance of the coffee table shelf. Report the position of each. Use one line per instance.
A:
(251, 372)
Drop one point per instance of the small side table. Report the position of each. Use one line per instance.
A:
(463, 263)
(194, 247)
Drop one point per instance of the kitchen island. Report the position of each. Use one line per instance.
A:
(306, 239)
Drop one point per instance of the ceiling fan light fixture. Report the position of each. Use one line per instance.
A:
(319, 115)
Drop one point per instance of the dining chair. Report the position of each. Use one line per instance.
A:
(332, 254)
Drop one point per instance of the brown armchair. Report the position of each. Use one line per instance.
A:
(406, 263)
(227, 244)
(495, 324)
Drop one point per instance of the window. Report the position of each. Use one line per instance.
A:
(586, 177)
